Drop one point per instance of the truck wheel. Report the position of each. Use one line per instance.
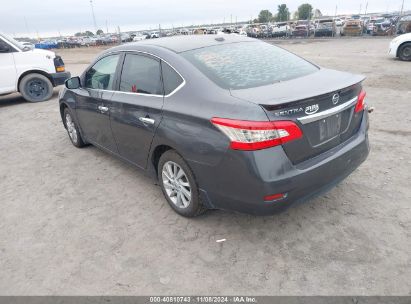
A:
(405, 52)
(36, 87)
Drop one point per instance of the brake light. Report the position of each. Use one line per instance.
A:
(256, 135)
(360, 102)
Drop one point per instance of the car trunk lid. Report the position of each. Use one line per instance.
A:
(322, 104)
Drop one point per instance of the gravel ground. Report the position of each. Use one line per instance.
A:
(81, 222)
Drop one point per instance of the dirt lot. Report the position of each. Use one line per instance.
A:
(78, 221)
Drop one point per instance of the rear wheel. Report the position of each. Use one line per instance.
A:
(178, 184)
(405, 52)
(36, 87)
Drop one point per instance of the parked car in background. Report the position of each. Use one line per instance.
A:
(279, 132)
(47, 45)
(139, 37)
(32, 72)
(352, 28)
(87, 41)
(404, 25)
(125, 37)
(325, 27)
(371, 24)
(338, 22)
(155, 35)
(400, 47)
(281, 29)
(253, 31)
(240, 32)
(303, 28)
(383, 27)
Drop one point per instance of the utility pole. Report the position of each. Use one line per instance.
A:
(94, 17)
(402, 8)
(106, 27)
(366, 8)
(335, 13)
(360, 9)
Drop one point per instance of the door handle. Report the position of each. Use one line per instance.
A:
(103, 108)
(146, 120)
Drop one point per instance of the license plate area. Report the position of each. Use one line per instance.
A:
(329, 127)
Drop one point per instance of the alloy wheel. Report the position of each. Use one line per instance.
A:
(71, 128)
(176, 184)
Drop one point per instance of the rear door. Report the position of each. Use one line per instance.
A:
(93, 102)
(7, 68)
(137, 106)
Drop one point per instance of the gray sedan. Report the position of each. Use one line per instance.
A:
(221, 122)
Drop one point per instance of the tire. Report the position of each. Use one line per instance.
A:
(404, 53)
(72, 129)
(36, 87)
(175, 189)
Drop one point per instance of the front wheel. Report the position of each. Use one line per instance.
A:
(72, 129)
(178, 184)
(405, 52)
(36, 87)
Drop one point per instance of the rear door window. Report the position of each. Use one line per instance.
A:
(141, 74)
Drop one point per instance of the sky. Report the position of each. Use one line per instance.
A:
(44, 18)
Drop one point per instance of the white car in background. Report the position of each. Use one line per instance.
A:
(139, 37)
(155, 35)
(400, 47)
(338, 22)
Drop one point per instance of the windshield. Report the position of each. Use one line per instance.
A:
(13, 42)
(248, 64)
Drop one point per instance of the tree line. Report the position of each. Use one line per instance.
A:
(304, 12)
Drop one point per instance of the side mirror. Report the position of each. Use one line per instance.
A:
(73, 83)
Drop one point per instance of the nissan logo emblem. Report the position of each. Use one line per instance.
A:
(336, 98)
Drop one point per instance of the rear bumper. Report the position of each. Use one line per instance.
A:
(240, 182)
(59, 78)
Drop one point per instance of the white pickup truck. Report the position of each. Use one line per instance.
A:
(32, 72)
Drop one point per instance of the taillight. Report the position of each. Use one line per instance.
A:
(360, 102)
(256, 135)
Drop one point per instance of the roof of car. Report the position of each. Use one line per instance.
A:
(184, 43)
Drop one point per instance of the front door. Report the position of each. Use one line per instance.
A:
(137, 107)
(8, 72)
(93, 104)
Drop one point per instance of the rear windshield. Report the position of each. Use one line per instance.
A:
(248, 64)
